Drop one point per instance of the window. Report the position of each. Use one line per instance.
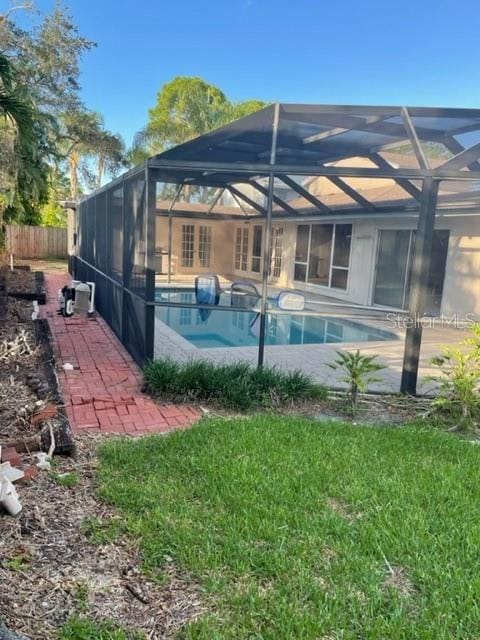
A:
(341, 256)
(188, 244)
(241, 248)
(257, 248)
(245, 249)
(319, 255)
(204, 245)
(322, 254)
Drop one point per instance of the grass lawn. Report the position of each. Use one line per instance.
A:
(304, 530)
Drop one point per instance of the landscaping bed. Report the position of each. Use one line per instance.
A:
(238, 386)
(300, 529)
(28, 383)
(63, 575)
(66, 570)
(226, 389)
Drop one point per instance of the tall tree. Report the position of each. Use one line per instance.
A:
(110, 156)
(48, 57)
(24, 145)
(186, 107)
(89, 149)
(47, 75)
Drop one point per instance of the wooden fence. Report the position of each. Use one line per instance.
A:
(25, 241)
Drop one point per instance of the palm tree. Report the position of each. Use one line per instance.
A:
(14, 106)
(26, 140)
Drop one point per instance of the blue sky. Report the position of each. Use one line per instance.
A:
(412, 52)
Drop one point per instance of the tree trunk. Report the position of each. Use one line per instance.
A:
(100, 170)
(73, 166)
(354, 398)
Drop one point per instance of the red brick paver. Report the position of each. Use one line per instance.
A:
(102, 392)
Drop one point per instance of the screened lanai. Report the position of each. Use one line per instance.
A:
(351, 208)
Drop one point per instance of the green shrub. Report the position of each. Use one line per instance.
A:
(458, 378)
(238, 386)
(359, 372)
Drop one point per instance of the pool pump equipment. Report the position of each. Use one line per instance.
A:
(78, 298)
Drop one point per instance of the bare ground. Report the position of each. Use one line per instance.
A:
(50, 568)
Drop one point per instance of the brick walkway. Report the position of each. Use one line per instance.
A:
(102, 392)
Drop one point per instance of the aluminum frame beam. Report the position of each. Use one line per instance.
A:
(304, 193)
(267, 241)
(462, 159)
(402, 182)
(415, 142)
(418, 285)
(281, 203)
(386, 171)
(254, 205)
(352, 193)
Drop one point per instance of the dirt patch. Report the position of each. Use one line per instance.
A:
(398, 579)
(51, 568)
(343, 510)
(373, 409)
(22, 359)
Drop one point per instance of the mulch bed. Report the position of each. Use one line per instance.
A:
(24, 359)
(50, 568)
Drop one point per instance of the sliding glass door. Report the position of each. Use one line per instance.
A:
(391, 275)
(393, 269)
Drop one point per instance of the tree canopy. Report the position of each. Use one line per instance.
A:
(54, 147)
(185, 108)
(46, 130)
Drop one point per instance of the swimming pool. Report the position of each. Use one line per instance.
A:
(217, 329)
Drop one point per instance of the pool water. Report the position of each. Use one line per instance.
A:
(217, 328)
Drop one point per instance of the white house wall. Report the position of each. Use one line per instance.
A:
(461, 292)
